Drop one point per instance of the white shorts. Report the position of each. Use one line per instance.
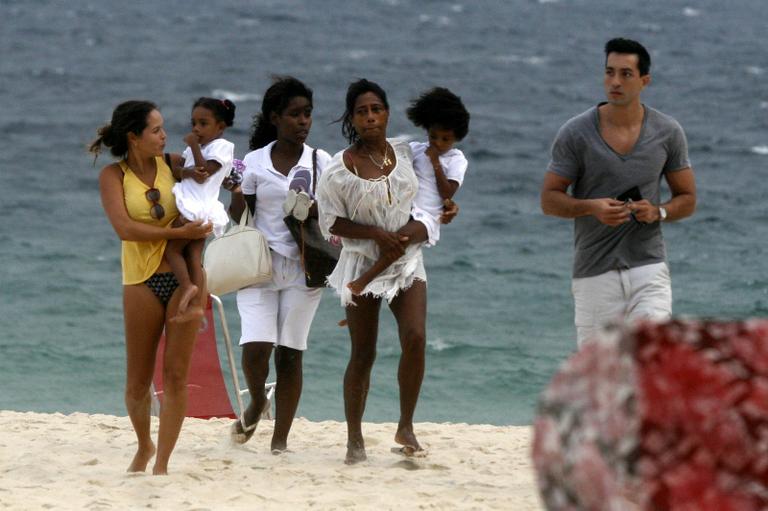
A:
(644, 292)
(281, 311)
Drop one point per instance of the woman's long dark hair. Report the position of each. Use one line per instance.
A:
(355, 90)
(128, 117)
(276, 99)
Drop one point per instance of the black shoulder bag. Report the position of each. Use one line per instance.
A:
(318, 256)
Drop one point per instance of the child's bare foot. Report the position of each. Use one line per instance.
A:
(187, 294)
(357, 287)
(191, 314)
(141, 459)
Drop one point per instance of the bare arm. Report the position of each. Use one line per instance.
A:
(682, 184)
(203, 168)
(128, 229)
(390, 243)
(238, 202)
(555, 201)
(446, 187)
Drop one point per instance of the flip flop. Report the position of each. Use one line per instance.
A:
(242, 437)
(409, 451)
(290, 202)
(301, 207)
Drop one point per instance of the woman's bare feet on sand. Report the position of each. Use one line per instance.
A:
(410, 446)
(355, 453)
(141, 459)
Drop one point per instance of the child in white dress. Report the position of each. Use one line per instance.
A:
(207, 162)
(439, 167)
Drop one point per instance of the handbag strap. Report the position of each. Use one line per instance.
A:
(245, 218)
(314, 171)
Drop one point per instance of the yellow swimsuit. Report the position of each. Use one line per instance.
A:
(142, 258)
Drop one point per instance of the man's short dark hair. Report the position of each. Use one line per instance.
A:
(628, 46)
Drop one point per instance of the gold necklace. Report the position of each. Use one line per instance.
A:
(384, 162)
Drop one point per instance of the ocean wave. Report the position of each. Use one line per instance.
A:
(358, 54)
(651, 27)
(755, 70)
(691, 12)
(247, 22)
(440, 21)
(235, 96)
(484, 154)
(533, 60)
(438, 344)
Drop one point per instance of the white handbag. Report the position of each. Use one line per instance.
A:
(238, 258)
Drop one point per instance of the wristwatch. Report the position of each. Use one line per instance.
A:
(662, 214)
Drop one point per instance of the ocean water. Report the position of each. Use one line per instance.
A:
(500, 310)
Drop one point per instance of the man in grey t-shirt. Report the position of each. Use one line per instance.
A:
(613, 157)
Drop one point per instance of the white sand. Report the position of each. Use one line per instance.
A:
(55, 461)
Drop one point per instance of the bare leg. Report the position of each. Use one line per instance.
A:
(255, 363)
(144, 316)
(363, 320)
(180, 341)
(288, 363)
(410, 310)
(194, 265)
(174, 253)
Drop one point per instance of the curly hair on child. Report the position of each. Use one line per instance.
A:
(440, 107)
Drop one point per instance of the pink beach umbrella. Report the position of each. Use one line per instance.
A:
(666, 416)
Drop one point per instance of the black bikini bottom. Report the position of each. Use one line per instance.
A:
(163, 285)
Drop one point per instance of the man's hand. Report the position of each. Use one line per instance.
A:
(644, 211)
(610, 211)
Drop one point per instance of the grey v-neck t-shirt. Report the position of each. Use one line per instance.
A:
(581, 155)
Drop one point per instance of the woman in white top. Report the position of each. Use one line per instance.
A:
(365, 196)
(280, 312)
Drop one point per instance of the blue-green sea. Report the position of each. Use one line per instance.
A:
(500, 310)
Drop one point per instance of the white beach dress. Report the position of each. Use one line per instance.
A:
(384, 202)
(200, 201)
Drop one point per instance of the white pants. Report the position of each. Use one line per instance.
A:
(644, 292)
(279, 312)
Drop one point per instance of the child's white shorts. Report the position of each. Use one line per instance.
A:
(281, 311)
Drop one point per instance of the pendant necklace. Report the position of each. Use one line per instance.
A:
(384, 162)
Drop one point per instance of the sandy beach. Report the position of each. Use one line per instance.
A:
(77, 461)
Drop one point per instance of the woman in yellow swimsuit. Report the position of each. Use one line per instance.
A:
(136, 196)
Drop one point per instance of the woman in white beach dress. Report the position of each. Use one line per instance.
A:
(364, 196)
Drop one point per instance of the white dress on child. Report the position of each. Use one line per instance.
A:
(200, 201)
(384, 202)
(428, 204)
